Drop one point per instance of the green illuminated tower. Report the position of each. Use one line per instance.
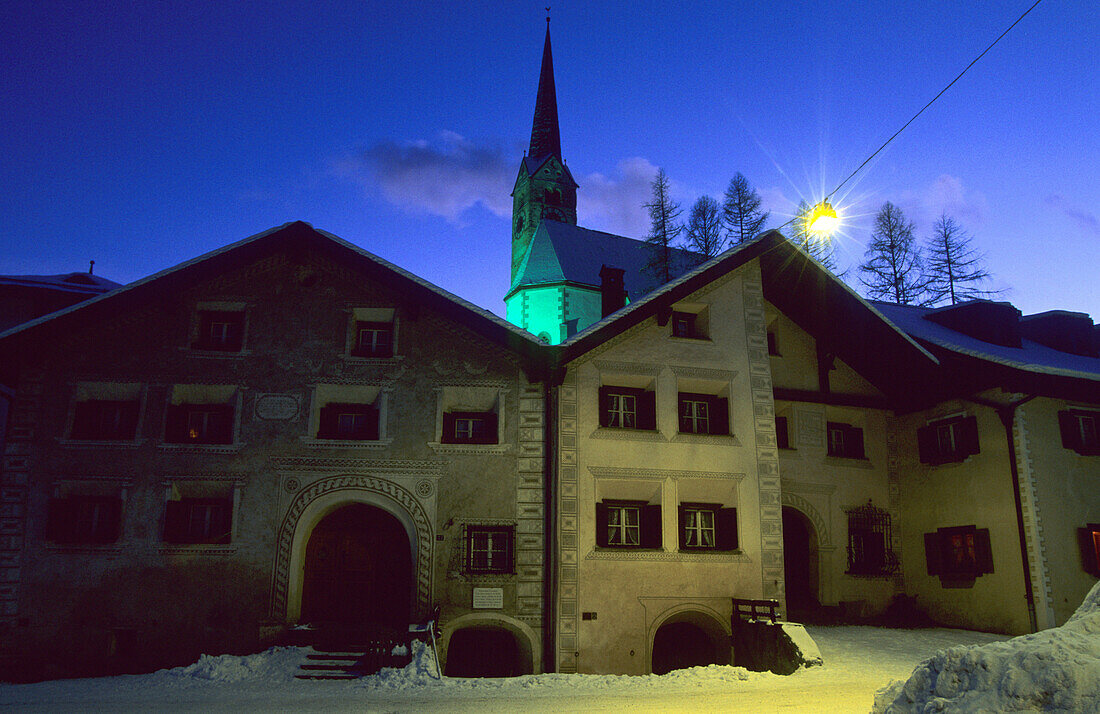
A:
(544, 187)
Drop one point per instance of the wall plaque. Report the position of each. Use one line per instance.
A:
(278, 407)
(488, 598)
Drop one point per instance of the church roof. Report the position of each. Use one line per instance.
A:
(545, 136)
(561, 252)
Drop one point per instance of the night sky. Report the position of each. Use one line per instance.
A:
(144, 134)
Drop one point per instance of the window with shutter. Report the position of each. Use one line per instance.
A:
(84, 520)
(948, 440)
(1090, 548)
(105, 420)
(1080, 431)
(351, 422)
(703, 414)
(628, 408)
(198, 521)
(707, 526)
(628, 524)
(782, 438)
(470, 428)
(373, 339)
(958, 554)
(845, 441)
(199, 424)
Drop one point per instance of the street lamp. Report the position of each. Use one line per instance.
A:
(822, 220)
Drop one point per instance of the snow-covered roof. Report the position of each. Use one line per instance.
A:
(561, 252)
(65, 282)
(1030, 356)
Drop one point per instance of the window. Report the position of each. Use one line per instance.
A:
(373, 339)
(703, 414)
(220, 330)
(489, 549)
(959, 553)
(470, 428)
(683, 324)
(869, 540)
(705, 526)
(199, 424)
(1080, 430)
(628, 524)
(1090, 548)
(782, 437)
(845, 440)
(948, 440)
(773, 344)
(198, 521)
(628, 408)
(105, 420)
(352, 422)
(83, 519)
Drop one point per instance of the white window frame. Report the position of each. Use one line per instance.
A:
(619, 534)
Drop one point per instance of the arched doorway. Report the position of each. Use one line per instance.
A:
(358, 569)
(800, 564)
(485, 651)
(689, 639)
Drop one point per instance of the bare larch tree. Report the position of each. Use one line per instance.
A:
(704, 228)
(954, 268)
(664, 228)
(892, 268)
(741, 212)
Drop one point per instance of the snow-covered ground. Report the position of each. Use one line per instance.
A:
(858, 661)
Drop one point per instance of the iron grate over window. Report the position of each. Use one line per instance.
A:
(869, 539)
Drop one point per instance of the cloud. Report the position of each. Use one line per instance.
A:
(945, 195)
(443, 177)
(614, 203)
(1086, 221)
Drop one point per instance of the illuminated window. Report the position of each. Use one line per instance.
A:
(1080, 431)
(199, 424)
(845, 440)
(1090, 548)
(958, 554)
(489, 549)
(948, 440)
(220, 330)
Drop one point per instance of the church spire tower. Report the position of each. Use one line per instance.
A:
(544, 188)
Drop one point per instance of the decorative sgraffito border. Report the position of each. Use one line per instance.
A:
(285, 539)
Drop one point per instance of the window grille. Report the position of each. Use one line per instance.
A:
(869, 539)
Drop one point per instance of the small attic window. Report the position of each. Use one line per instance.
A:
(690, 321)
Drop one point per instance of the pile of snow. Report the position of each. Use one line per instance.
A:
(1052, 670)
(274, 664)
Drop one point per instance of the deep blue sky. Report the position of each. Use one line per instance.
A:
(143, 134)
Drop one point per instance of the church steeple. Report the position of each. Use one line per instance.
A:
(545, 137)
(544, 190)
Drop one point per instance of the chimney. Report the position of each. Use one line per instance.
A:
(612, 294)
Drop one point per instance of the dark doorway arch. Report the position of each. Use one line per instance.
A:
(485, 652)
(800, 564)
(358, 569)
(689, 639)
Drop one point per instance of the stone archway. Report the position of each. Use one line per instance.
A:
(489, 644)
(321, 498)
(688, 637)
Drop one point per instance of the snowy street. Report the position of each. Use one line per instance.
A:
(858, 661)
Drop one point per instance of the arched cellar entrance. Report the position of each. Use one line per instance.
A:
(689, 639)
(358, 569)
(486, 651)
(800, 564)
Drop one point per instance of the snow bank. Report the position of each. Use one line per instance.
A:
(1053, 670)
(275, 664)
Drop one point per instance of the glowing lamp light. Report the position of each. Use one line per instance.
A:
(822, 220)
